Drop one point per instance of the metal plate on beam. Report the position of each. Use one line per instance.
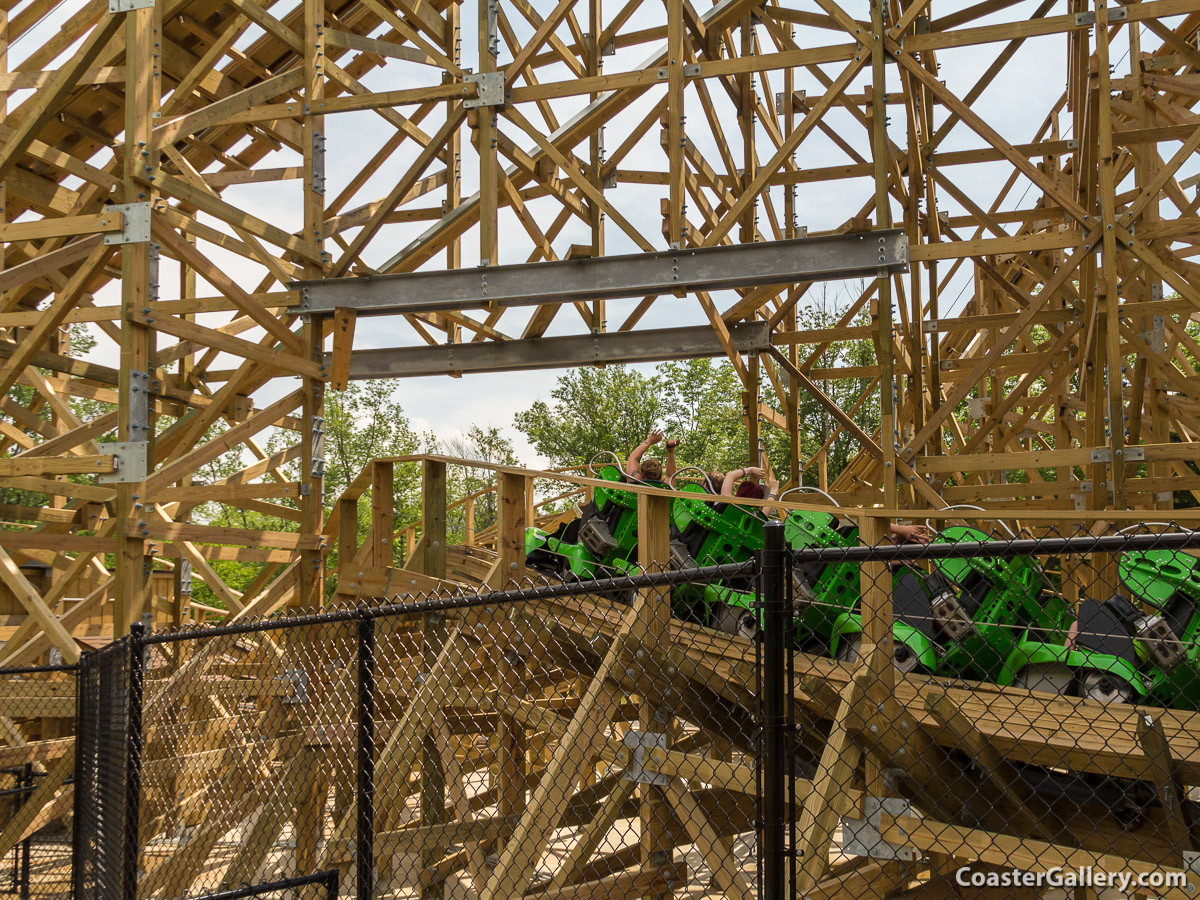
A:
(557, 352)
(609, 277)
(131, 459)
(489, 90)
(136, 229)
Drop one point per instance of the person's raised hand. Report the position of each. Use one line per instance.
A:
(773, 486)
(655, 436)
(921, 534)
(754, 471)
(918, 534)
(672, 443)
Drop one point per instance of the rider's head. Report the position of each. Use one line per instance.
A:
(751, 490)
(651, 470)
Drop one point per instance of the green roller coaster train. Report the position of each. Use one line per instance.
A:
(985, 618)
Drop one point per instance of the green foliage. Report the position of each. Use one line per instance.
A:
(700, 403)
(362, 423)
(594, 409)
(79, 343)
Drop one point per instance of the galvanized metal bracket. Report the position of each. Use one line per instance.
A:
(131, 462)
(639, 742)
(489, 91)
(1156, 337)
(862, 837)
(318, 447)
(184, 568)
(1191, 864)
(120, 6)
(297, 681)
(1135, 454)
(139, 402)
(1102, 455)
(136, 229)
(318, 163)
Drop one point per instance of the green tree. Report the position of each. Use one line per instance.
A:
(362, 423)
(593, 410)
(700, 403)
(702, 407)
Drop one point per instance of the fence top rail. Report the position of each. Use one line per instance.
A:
(37, 670)
(463, 601)
(329, 878)
(1031, 515)
(1004, 548)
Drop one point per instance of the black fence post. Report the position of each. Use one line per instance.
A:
(133, 757)
(84, 739)
(27, 781)
(774, 724)
(364, 844)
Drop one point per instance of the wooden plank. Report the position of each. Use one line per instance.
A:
(49, 100)
(42, 795)
(101, 464)
(66, 226)
(829, 799)
(1014, 852)
(1164, 775)
(343, 343)
(29, 597)
(716, 850)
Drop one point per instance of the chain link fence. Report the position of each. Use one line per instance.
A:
(802, 709)
(36, 767)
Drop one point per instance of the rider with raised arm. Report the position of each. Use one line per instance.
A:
(651, 469)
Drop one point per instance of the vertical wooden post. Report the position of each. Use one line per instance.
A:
(753, 430)
(514, 492)
(3, 119)
(530, 506)
(677, 199)
(469, 521)
(935, 357)
(654, 538)
(187, 364)
(347, 539)
(310, 583)
(489, 165)
(312, 423)
(139, 274)
(877, 639)
(383, 515)
(433, 517)
(876, 591)
(1149, 389)
(795, 429)
(748, 231)
(883, 216)
(453, 49)
(433, 770)
(1114, 360)
(513, 502)
(594, 61)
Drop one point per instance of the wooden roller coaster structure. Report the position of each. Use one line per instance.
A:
(143, 137)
